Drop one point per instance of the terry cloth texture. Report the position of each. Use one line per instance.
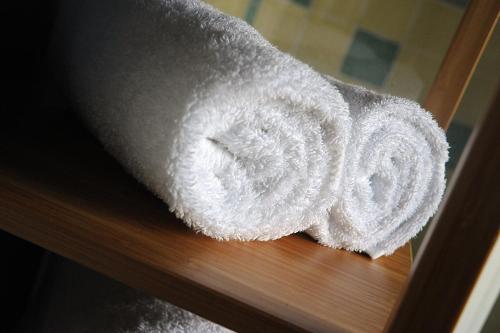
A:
(394, 177)
(242, 141)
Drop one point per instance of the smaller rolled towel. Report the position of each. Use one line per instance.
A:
(242, 141)
(394, 175)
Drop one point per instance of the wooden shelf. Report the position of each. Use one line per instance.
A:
(60, 190)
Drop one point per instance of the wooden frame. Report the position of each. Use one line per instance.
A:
(461, 60)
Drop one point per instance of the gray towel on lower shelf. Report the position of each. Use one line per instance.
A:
(74, 299)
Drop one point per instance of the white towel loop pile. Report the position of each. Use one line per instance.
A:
(241, 140)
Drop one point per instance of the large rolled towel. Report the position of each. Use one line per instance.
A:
(241, 140)
(394, 175)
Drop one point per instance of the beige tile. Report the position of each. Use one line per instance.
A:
(434, 27)
(319, 6)
(268, 13)
(232, 7)
(339, 10)
(388, 18)
(349, 11)
(324, 44)
(281, 22)
(412, 74)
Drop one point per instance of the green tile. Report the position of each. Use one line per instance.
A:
(457, 135)
(305, 3)
(370, 58)
(252, 9)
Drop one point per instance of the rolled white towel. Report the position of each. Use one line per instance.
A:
(394, 175)
(242, 141)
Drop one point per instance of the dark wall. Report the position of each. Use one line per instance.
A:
(24, 32)
(20, 262)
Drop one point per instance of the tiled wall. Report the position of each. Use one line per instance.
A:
(392, 46)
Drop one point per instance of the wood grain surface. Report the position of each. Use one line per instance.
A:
(60, 190)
